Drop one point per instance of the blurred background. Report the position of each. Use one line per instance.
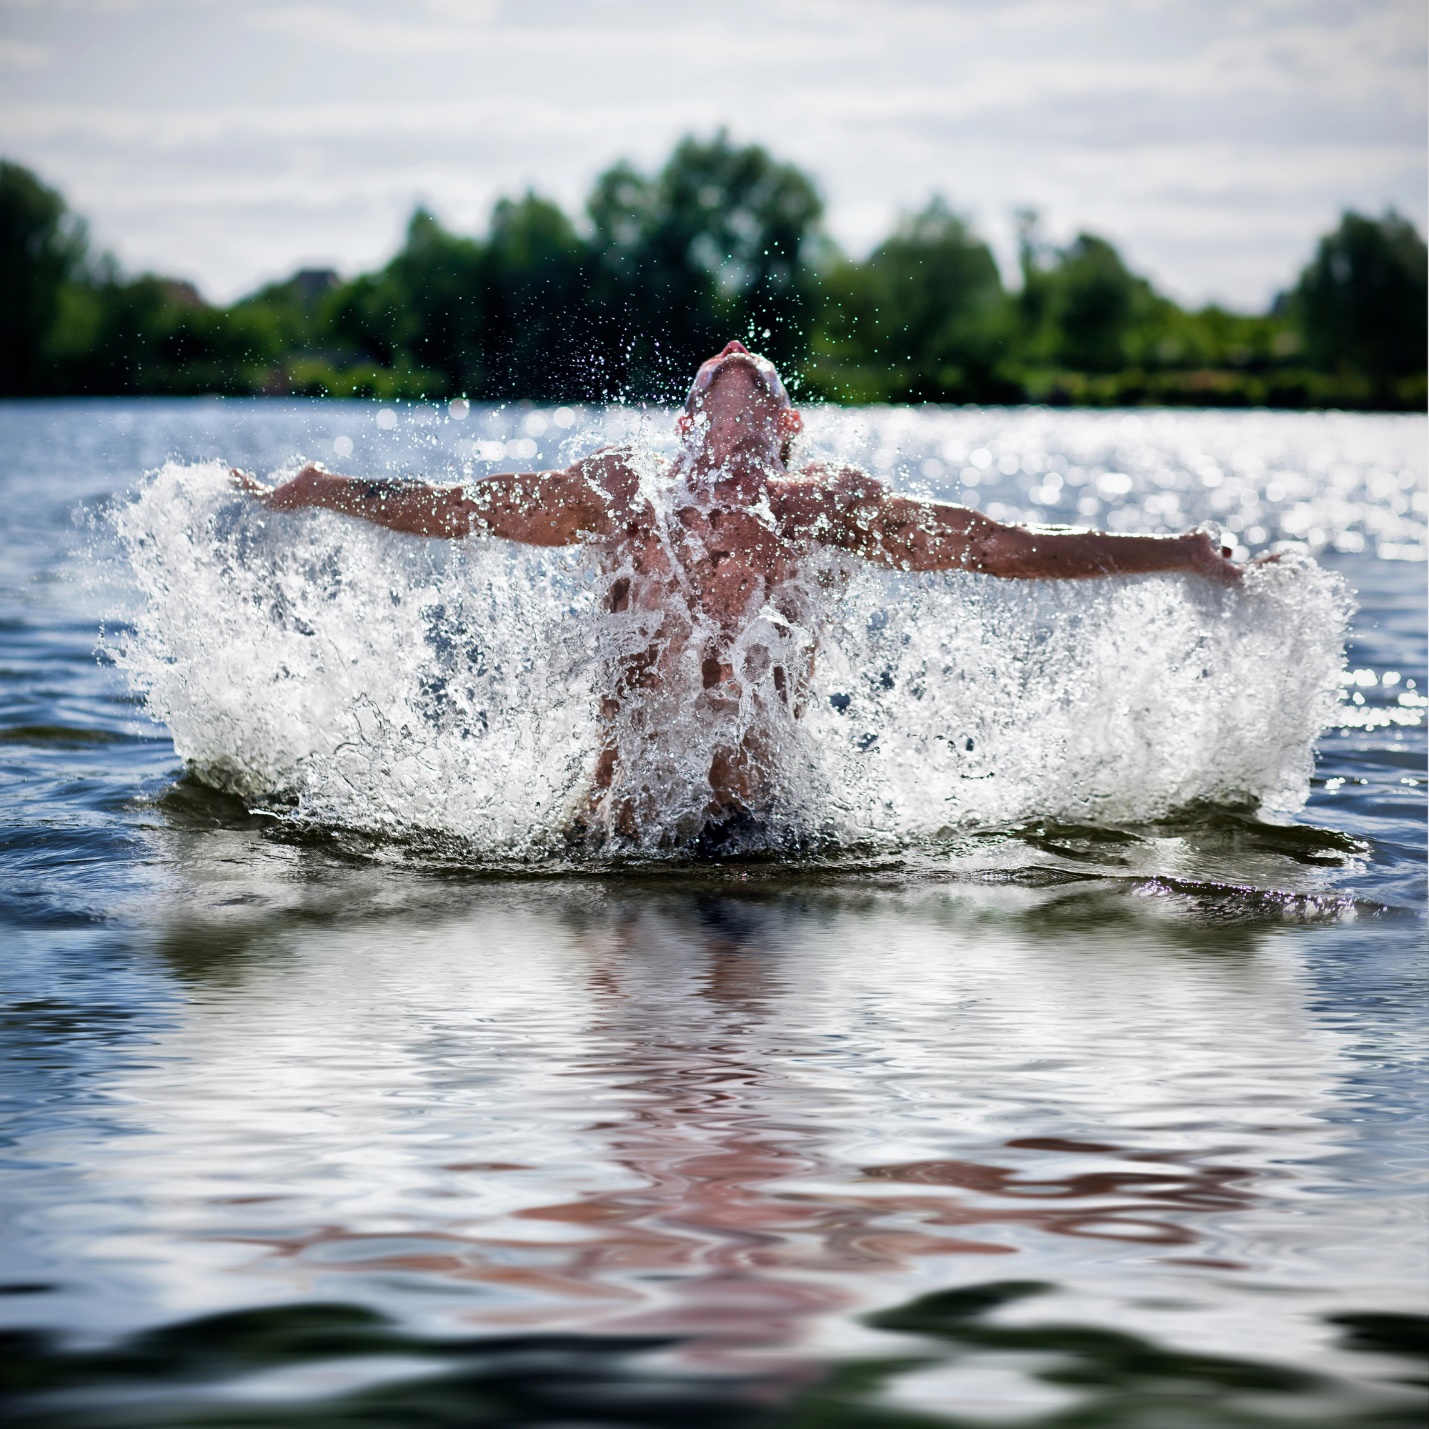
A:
(1116, 203)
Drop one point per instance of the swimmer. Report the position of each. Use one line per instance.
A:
(712, 581)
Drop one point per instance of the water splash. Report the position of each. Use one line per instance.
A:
(407, 687)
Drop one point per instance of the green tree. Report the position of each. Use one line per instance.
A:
(710, 248)
(380, 317)
(722, 242)
(1361, 302)
(1092, 331)
(1094, 303)
(539, 337)
(500, 317)
(924, 320)
(154, 336)
(42, 247)
(294, 307)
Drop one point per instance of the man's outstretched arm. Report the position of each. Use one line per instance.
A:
(933, 535)
(907, 534)
(539, 508)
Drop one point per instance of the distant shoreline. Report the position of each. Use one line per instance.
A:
(663, 269)
(671, 406)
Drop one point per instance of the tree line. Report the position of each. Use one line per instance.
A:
(723, 241)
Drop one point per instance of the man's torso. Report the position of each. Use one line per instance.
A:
(696, 574)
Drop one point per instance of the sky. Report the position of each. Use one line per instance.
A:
(231, 143)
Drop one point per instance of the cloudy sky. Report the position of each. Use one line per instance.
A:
(229, 142)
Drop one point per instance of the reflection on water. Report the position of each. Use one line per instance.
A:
(694, 1143)
(1095, 1122)
(336, 1365)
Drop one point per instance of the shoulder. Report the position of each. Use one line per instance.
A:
(610, 472)
(612, 463)
(826, 487)
(819, 500)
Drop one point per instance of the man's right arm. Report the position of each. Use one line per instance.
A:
(538, 508)
(845, 507)
(909, 534)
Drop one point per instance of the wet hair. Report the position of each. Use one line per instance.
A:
(765, 370)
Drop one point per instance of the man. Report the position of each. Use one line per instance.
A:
(715, 572)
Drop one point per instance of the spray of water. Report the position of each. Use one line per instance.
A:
(413, 688)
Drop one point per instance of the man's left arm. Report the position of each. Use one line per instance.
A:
(537, 508)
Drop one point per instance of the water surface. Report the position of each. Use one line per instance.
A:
(1037, 1120)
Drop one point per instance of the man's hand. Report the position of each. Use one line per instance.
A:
(1208, 558)
(245, 481)
(1033, 553)
(309, 487)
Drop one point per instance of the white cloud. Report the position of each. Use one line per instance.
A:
(393, 32)
(20, 54)
(228, 140)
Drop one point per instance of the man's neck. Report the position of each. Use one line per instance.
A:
(737, 476)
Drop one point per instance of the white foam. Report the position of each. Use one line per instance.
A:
(400, 685)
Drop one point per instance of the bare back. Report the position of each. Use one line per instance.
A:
(714, 628)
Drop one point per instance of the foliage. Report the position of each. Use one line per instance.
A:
(1361, 302)
(151, 336)
(1083, 311)
(723, 241)
(925, 319)
(40, 249)
(710, 247)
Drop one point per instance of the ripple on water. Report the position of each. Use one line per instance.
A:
(1100, 1112)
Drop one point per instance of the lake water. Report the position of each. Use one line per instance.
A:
(1047, 1082)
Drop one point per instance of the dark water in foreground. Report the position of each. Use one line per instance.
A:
(1042, 1125)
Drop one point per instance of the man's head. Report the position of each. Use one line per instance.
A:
(738, 402)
